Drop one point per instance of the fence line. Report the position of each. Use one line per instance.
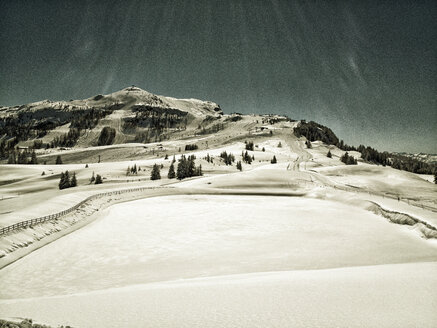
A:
(29, 223)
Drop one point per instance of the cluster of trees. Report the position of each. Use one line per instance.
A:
(187, 168)
(107, 136)
(66, 181)
(191, 147)
(22, 157)
(249, 145)
(133, 170)
(212, 129)
(247, 158)
(372, 155)
(348, 159)
(96, 179)
(36, 124)
(228, 158)
(209, 158)
(66, 140)
(156, 118)
(314, 131)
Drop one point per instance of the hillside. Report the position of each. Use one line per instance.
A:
(259, 207)
(132, 113)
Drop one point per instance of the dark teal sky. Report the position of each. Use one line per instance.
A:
(367, 69)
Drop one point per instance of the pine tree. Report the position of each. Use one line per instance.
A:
(308, 144)
(73, 182)
(43, 173)
(98, 179)
(62, 181)
(273, 161)
(435, 178)
(180, 171)
(171, 173)
(58, 159)
(93, 178)
(166, 156)
(279, 145)
(67, 179)
(239, 166)
(263, 149)
(329, 154)
(156, 175)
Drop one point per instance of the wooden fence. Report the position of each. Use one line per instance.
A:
(29, 223)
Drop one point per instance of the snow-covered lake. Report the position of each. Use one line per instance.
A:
(180, 237)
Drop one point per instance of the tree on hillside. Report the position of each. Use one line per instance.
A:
(171, 173)
(308, 144)
(348, 160)
(64, 182)
(329, 154)
(98, 179)
(58, 159)
(279, 145)
(93, 178)
(239, 166)
(249, 145)
(156, 174)
(273, 161)
(73, 182)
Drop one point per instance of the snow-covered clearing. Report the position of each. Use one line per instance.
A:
(175, 238)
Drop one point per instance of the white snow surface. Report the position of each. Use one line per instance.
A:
(234, 261)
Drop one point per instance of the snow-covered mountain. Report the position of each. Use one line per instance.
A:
(133, 114)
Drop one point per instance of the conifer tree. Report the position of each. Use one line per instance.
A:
(156, 175)
(98, 179)
(329, 154)
(171, 173)
(273, 161)
(62, 181)
(239, 166)
(58, 159)
(73, 182)
(93, 178)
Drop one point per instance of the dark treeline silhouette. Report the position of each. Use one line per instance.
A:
(22, 157)
(30, 124)
(191, 147)
(314, 131)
